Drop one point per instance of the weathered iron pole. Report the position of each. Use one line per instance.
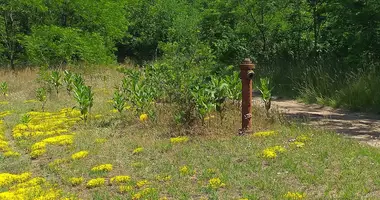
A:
(246, 76)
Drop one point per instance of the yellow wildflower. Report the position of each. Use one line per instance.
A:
(138, 150)
(137, 196)
(216, 183)
(120, 179)
(76, 181)
(8, 179)
(294, 195)
(5, 113)
(79, 155)
(271, 152)
(4, 102)
(264, 134)
(179, 139)
(102, 168)
(143, 117)
(297, 144)
(302, 138)
(163, 178)
(125, 188)
(142, 183)
(37, 153)
(184, 170)
(97, 182)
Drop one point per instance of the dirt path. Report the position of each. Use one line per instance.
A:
(361, 126)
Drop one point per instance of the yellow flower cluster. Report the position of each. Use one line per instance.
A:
(97, 182)
(4, 102)
(7, 179)
(4, 146)
(144, 192)
(180, 139)
(216, 183)
(102, 168)
(47, 124)
(184, 170)
(297, 144)
(5, 113)
(271, 152)
(163, 178)
(125, 188)
(39, 148)
(143, 117)
(76, 181)
(27, 188)
(79, 155)
(138, 150)
(294, 195)
(142, 183)
(300, 141)
(264, 134)
(120, 179)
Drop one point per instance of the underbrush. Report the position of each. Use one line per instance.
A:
(357, 91)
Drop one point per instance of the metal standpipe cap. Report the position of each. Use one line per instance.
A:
(247, 64)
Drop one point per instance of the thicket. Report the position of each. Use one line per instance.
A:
(325, 51)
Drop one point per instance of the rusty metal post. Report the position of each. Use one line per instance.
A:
(246, 76)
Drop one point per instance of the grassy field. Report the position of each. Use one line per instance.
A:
(121, 157)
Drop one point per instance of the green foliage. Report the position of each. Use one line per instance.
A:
(25, 118)
(55, 80)
(266, 92)
(119, 101)
(4, 88)
(68, 80)
(54, 46)
(83, 96)
(41, 96)
(138, 94)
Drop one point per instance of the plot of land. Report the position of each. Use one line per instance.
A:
(56, 155)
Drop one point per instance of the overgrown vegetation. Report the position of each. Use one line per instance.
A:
(132, 156)
(324, 51)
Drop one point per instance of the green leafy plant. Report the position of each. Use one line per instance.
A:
(266, 93)
(83, 95)
(4, 88)
(68, 81)
(41, 96)
(25, 118)
(119, 101)
(203, 102)
(219, 93)
(55, 80)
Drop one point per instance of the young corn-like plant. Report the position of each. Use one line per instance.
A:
(68, 81)
(41, 96)
(84, 96)
(4, 88)
(55, 80)
(119, 101)
(219, 93)
(266, 93)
